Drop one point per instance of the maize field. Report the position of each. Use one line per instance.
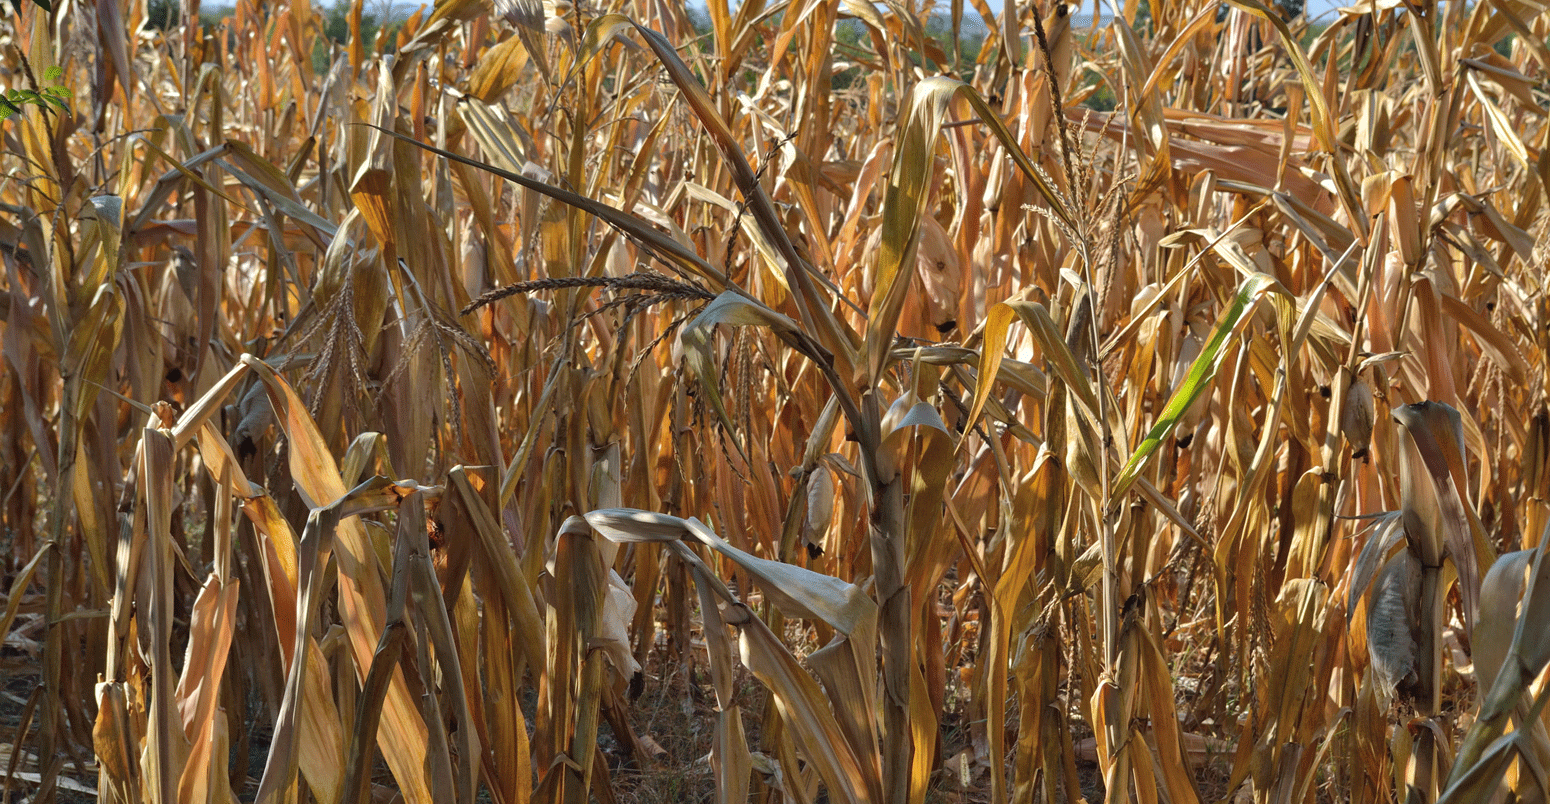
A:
(790, 402)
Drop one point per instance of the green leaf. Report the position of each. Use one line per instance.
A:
(1198, 381)
(53, 73)
(60, 91)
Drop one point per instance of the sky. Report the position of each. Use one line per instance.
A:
(1315, 8)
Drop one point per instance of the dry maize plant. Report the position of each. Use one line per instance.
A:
(807, 400)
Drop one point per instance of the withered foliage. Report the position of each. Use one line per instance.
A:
(379, 419)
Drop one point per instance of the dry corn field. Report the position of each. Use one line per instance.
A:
(804, 401)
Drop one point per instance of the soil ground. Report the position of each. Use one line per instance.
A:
(672, 719)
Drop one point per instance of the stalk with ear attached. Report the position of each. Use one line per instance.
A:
(1403, 561)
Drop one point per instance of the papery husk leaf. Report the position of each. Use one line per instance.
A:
(1435, 512)
(111, 743)
(1500, 591)
(1491, 643)
(1387, 533)
(1394, 621)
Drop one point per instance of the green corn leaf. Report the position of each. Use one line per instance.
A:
(1198, 380)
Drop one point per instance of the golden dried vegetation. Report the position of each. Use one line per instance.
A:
(385, 418)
